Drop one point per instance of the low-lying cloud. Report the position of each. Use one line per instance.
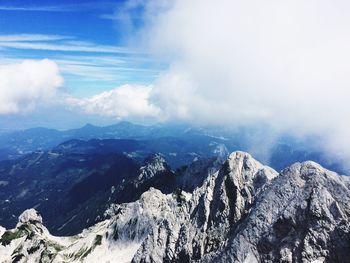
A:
(127, 101)
(24, 85)
(285, 63)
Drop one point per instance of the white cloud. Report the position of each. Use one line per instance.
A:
(74, 7)
(128, 101)
(25, 84)
(58, 43)
(32, 8)
(68, 46)
(285, 63)
(31, 37)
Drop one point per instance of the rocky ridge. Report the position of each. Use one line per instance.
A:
(244, 212)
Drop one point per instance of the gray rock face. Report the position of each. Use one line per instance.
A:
(154, 165)
(244, 212)
(197, 172)
(301, 217)
(212, 213)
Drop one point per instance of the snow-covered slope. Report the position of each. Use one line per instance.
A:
(245, 212)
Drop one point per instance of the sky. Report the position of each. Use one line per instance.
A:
(85, 44)
(82, 37)
(226, 62)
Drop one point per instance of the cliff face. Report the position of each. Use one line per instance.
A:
(212, 213)
(243, 212)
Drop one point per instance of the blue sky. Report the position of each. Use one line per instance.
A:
(85, 38)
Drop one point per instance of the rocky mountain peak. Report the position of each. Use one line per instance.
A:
(239, 181)
(153, 165)
(243, 212)
(154, 158)
(30, 216)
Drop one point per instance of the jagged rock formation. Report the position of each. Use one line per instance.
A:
(210, 215)
(245, 212)
(155, 172)
(76, 188)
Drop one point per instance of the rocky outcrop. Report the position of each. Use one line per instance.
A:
(212, 213)
(302, 217)
(30, 216)
(244, 212)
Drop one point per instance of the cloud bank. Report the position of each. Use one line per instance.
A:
(257, 60)
(128, 101)
(25, 84)
(285, 63)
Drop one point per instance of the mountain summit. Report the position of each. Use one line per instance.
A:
(242, 212)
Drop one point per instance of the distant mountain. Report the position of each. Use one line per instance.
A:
(17, 143)
(182, 143)
(177, 151)
(242, 211)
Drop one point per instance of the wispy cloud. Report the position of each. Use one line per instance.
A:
(120, 16)
(64, 47)
(110, 68)
(98, 71)
(31, 37)
(60, 8)
(93, 72)
(57, 43)
(108, 16)
(34, 8)
(85, 64)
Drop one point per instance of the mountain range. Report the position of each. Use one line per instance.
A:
(236, 210)
(180, 144)
(169, 193)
